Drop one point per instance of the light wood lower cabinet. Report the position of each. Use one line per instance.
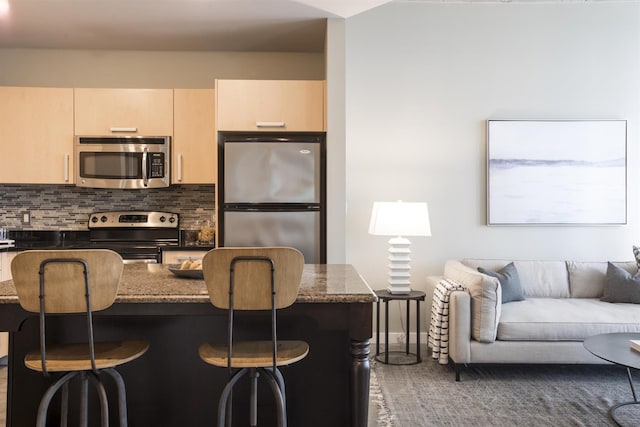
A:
(270, 105)
(195, 151)
(36, 135)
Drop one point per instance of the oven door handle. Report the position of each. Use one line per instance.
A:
(145, 178)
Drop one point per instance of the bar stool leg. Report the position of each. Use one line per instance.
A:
(280, 404)
(43, 408)
(64, 410)
(84, 399)
(122, 395)
(253, 408)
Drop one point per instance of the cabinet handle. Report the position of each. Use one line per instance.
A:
(66, 168)
(270, 124)
(121, 129)
(179, 167)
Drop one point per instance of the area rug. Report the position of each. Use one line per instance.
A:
(427, 394)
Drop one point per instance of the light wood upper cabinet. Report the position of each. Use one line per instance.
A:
(270, 105)
(36, 135)
(195, 154)
(147, 112)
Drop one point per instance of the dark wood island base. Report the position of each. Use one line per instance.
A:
(171, 386)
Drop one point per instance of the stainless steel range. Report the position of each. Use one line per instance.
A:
(138, 236)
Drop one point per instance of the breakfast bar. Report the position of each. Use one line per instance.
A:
(171, 386)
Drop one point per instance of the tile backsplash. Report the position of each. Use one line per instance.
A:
(66, 207)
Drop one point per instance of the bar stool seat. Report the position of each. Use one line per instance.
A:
(253, 279)
(74, 282)
(76, 357)
(257, 354)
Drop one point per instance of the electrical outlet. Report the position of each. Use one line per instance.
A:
(26, 217)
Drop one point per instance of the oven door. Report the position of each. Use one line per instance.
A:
(118, 163)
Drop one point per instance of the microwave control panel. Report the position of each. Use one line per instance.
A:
(156, 162)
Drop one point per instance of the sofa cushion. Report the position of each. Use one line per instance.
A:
(564, 319)
(538, 278)
(586, 279)
(486, 299)
(509, 282)
(620, 286)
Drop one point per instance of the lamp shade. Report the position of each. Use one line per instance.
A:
(400, 219)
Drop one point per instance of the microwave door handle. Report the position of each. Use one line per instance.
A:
(145, 178)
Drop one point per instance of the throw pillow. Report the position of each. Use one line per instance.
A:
(509, 281)
(621, 286)
(636, 254)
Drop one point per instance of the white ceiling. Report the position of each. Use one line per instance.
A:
(211, 25)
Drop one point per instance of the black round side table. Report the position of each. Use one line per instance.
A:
(398, 357)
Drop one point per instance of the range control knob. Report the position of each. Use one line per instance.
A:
(94, 219)
(172, 219)
(103, 218)
(162, 218)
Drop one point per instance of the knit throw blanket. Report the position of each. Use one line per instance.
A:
(439, 327)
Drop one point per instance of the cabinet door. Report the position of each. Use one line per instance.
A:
(147, 112)
(195, 154)
(36, 135)
(270, 105)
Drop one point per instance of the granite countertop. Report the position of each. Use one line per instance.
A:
(154, 283)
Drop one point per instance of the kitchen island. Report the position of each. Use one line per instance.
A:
(171, 386)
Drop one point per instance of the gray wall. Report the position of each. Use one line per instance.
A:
(145, 69)
(423, 78)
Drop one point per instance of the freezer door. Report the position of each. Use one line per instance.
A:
(298, 229)
(272, 172)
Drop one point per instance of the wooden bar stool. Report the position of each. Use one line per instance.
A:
(253, 279)
(74, 282)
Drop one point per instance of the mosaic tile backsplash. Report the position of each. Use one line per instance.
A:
(66, 207)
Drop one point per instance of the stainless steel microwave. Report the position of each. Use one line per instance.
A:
(122, 161)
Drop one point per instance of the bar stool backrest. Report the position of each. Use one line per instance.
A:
(252, 280)
(65, 281)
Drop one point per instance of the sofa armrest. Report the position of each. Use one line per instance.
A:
(486, 299)
(460, 327)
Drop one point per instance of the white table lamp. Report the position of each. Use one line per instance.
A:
(399, 219)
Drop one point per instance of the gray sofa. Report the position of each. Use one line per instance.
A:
(561, 307)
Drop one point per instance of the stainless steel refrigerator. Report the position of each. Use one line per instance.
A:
(272, 191)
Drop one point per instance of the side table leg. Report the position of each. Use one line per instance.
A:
(386, 331)
(360, 379)
(418, 358)
(408, 327)
(377, 327)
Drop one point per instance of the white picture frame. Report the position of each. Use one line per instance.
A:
(556, 172)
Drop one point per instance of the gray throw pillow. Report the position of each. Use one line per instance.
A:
(509, 282)
(621, 286)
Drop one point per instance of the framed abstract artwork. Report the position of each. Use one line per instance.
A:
(556, 172)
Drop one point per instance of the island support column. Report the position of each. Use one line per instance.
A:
(360, 331)
(360, 379)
